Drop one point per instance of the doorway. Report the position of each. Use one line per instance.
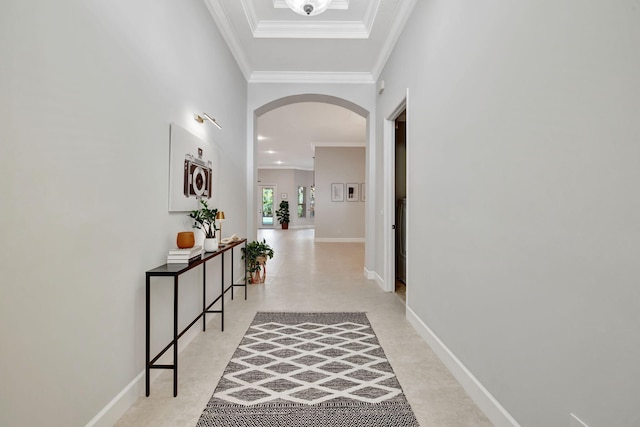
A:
(395, 205)
(401, 205)
(265, 205)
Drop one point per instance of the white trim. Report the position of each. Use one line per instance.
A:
(115, 409)
(358, 29)
(381, 283)
(136, 388)
(128, 396)
(221, 18)
(576, 422)
(311, 77)
(310, 30)
(497, 414)
(335, 4)
(399, 21)
(301, 227)
(369, 275)
(339, 240)
(389, 192)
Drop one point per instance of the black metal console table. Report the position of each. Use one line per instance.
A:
(175, 270)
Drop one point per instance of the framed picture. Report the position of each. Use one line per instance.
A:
(353, 192)
(362, 192)
(193, 171)
(337, 192)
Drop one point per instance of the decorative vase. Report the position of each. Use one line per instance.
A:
(185, 239)
(262, 271)
(211, 245)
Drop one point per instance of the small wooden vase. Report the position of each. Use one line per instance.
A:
(185, 240)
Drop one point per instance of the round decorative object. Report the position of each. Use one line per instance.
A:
(308, 7)
(210, 245)
(185, 240)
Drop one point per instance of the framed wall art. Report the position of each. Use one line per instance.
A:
(193, 171)
(353, 192)
(337, 192)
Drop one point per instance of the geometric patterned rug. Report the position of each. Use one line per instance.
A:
(308, 369)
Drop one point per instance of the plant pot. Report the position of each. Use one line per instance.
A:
(185, 240)
(210, 245)
(285, 225)
(262, 271)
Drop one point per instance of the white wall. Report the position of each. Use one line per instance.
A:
(88, 92)
(339, 221)
(523, 230)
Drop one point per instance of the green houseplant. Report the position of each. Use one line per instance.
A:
(283, 214)
(255, 255)
(205, 220)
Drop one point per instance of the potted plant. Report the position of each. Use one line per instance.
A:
(283, 214)
(255, 255)
(205, 219)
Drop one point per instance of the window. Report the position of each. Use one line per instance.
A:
(302, 204)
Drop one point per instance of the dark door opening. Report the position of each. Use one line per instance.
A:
(401, 203)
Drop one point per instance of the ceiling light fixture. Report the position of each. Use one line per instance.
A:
(200, 119)
(308, 7)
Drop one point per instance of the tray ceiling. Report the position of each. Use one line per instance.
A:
(349, 42)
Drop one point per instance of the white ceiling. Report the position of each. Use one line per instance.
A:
(287, 136)
(350, 42)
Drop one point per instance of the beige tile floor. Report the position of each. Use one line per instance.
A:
(308, 276)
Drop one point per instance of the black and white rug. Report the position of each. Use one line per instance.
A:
(308, 369)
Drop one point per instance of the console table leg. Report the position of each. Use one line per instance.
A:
(245, 272)
(222, 294)
(232, 273)
(204, 296)
(147, 334)
(175, 336)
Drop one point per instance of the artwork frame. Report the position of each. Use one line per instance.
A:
(353, 192)
(193, 170)
(337, 192)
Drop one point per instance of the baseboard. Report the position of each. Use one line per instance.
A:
(369, 275)
(339, 240)
(380, 282)
(121, 403)
(480, 395)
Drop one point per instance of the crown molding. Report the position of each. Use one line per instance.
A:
(335, 4)
(354, 29)
(310, 30)
(318, 29)
(221, 18)
(311, 77)
(399, 21)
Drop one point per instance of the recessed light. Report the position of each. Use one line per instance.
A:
(261, 138)
(270, 152)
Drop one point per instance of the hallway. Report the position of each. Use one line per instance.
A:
(308, 276)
